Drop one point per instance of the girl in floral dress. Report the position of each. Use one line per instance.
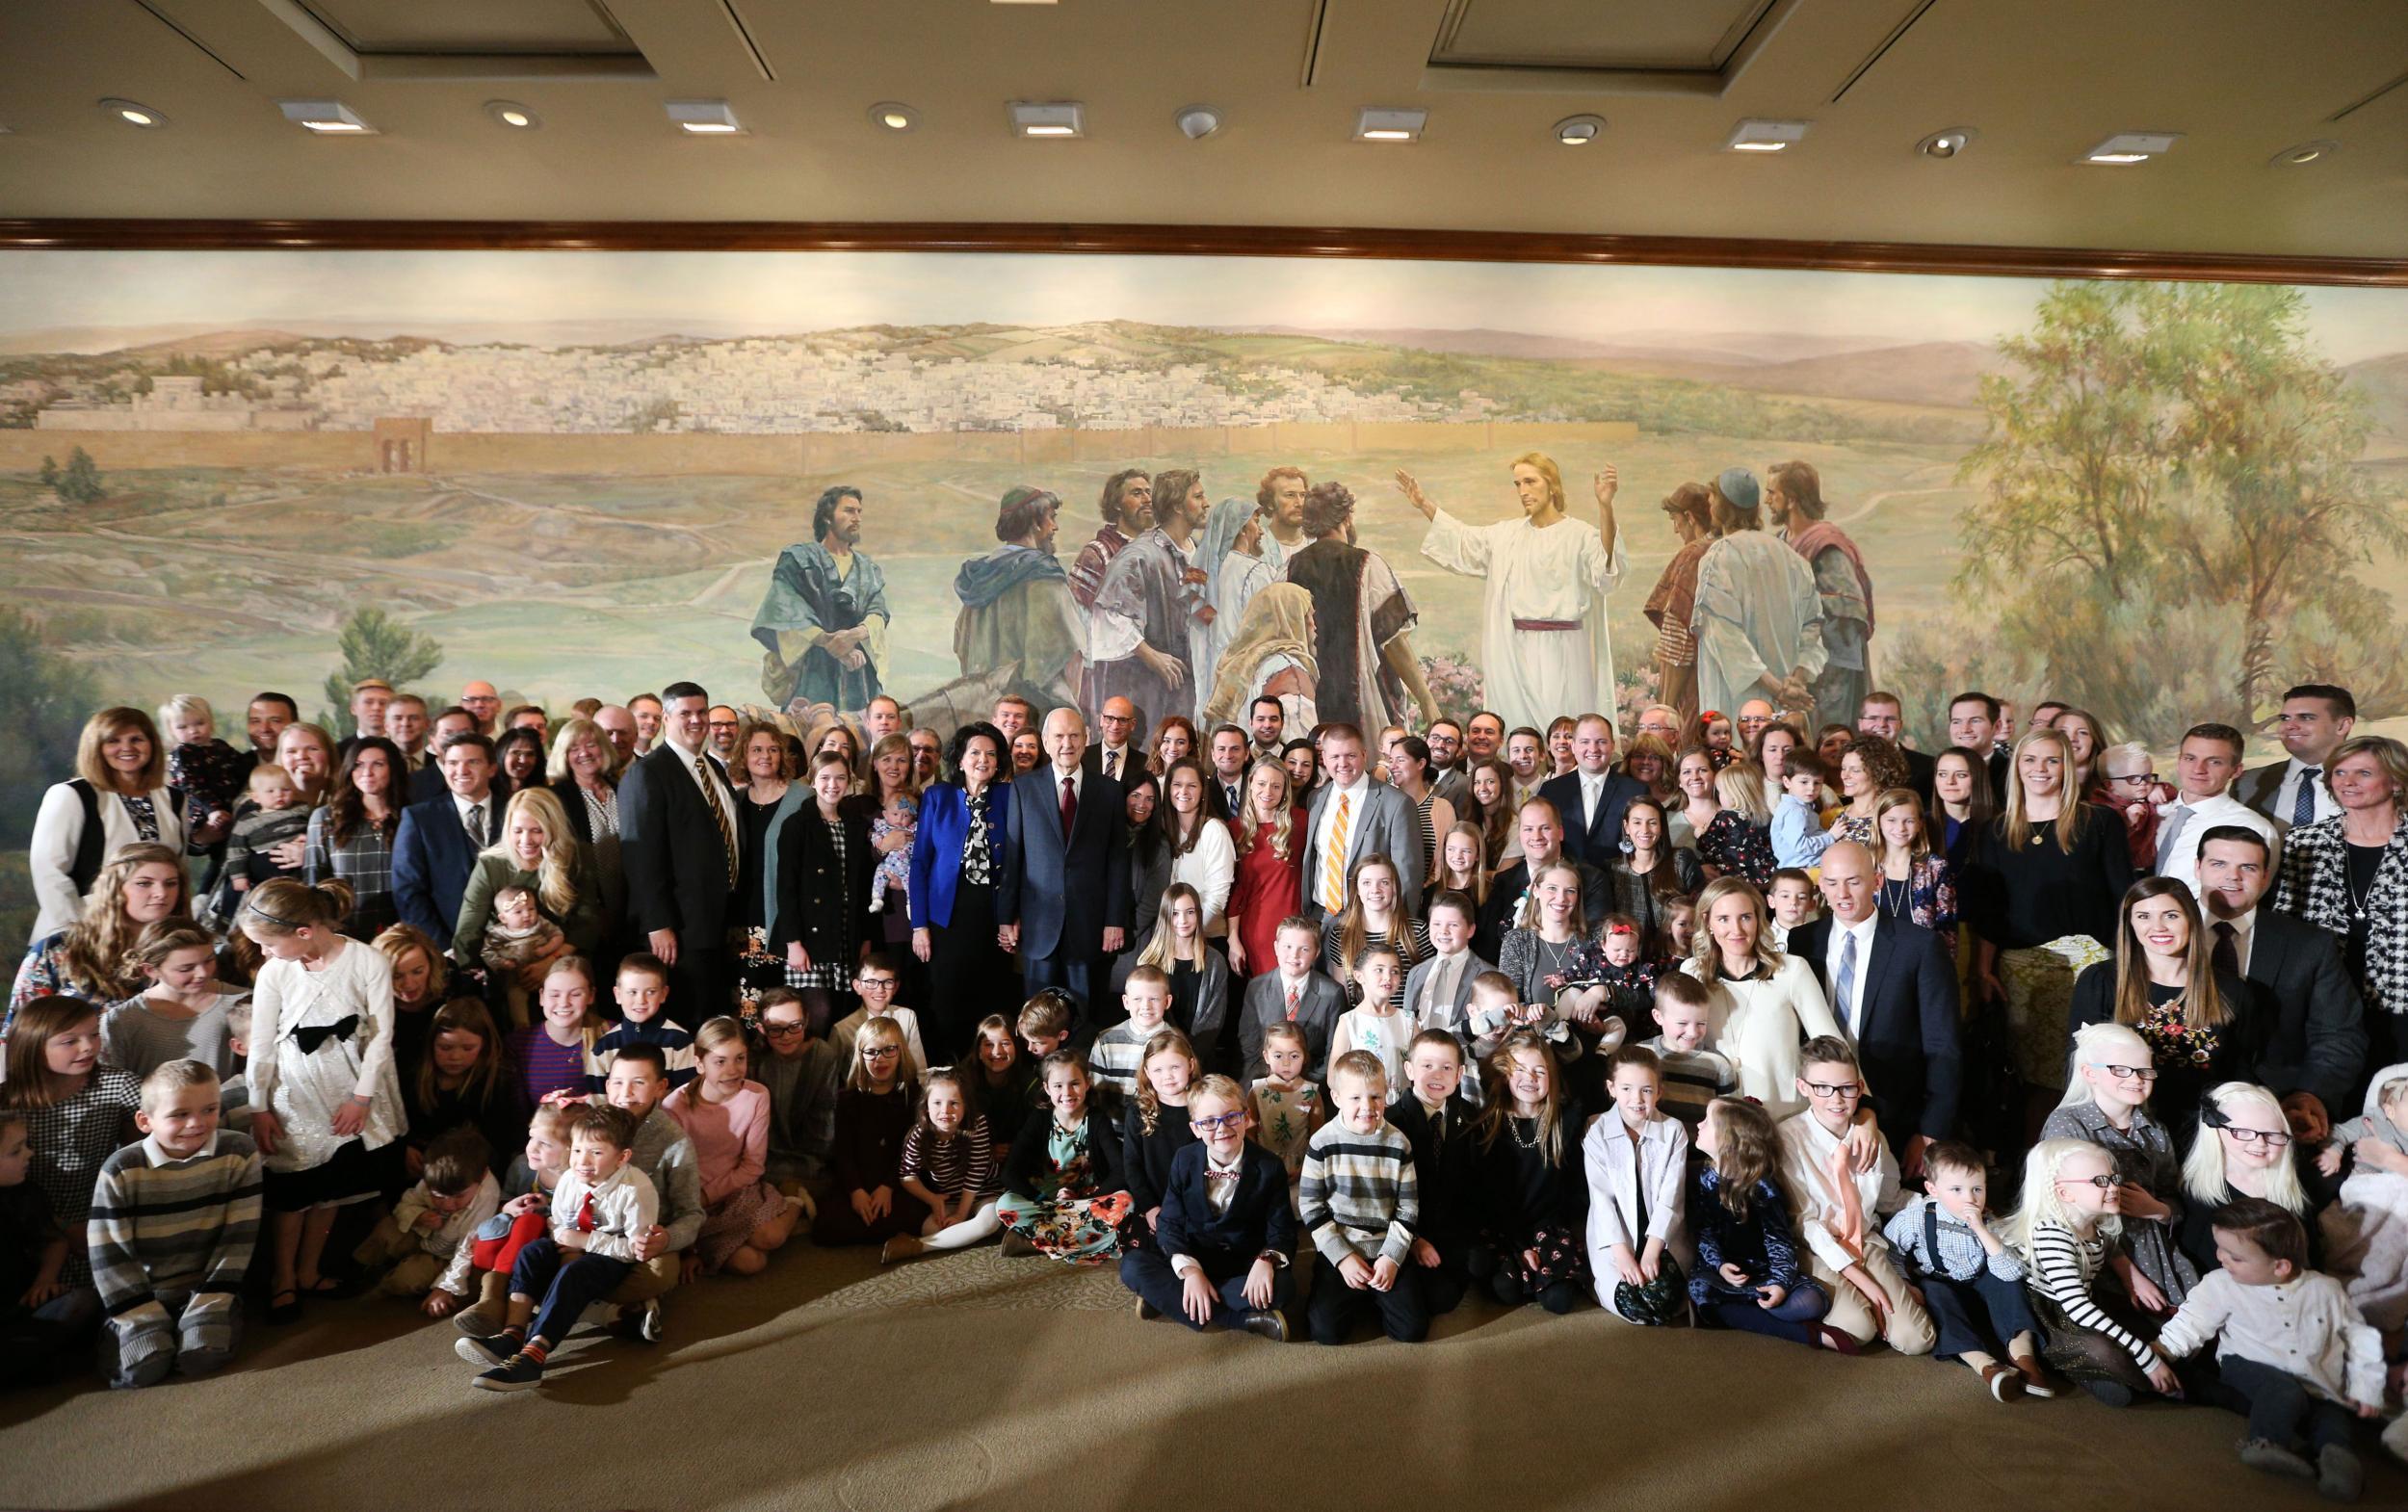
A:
(1063, 1192)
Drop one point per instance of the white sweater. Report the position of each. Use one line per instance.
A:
(1758, 1026)
(1212, 870)
(2307, 1328)
(58, 827)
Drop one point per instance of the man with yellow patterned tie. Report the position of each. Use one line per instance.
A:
(1354, 815)
(679, 843)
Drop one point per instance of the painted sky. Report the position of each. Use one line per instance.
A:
(769, 293)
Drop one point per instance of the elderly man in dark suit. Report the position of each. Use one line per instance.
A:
(1893, 991)
(1063, 898)
(2315, 1051)
(435, 845)
(1354, 815)
(1590, 798)
(678, 841)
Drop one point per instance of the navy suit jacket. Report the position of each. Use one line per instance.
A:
(1259, 1218)
(1064, 892)
(432, 859)
(1599, 842)
(1908, 1049)
(670, 845)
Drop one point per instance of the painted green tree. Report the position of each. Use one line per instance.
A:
(2172, 510)
(375, 645)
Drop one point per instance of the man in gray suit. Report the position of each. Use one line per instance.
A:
(1357, 815)
(1062, 897)
(1292, 992)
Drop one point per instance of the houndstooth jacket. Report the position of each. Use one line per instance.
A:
(2312, 883)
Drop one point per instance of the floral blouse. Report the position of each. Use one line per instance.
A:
(1926, 896)
(1735, 847)
(978, 846)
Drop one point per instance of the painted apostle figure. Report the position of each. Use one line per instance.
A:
(1019, 627)
(824, 621)
(1793, 498)
(1146, 628)
(1362, 619)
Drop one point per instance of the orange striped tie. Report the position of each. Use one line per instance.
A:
(1334, 858)
(719, 813)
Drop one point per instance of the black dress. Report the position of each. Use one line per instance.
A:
(2188, 1061)
(970, 974)
(2025, 895)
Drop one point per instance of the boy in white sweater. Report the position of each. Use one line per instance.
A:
(603, 1206)
(1839, 1209)
(2289, 1340)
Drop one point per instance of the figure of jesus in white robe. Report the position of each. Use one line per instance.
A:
(1555, 578)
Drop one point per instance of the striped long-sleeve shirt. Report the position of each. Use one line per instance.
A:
(2061, 1265)
(965, 1162)
(1360, 1195)
(164, 1225)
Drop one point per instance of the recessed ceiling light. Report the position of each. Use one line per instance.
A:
(1048, 119)
(1579, 131)
(511, 114)
(2305, 153)
(1766, 136)
(2129, 147)
(1376, 124)
(894, 116)
(1195, 122)
(135, 114)
(705, 117)
(327, 117)
(1947, 143)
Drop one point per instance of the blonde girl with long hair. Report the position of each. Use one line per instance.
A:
(1535, 1245)
(727, 1114)
(1269, 836)
(2067, 1229)
(1154, 1127)
(2243, 1149)
(1462, 864)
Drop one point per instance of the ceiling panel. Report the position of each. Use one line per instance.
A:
(470, 26)
(1610, 34)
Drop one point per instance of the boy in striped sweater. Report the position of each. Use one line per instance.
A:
(1361, 1200)
(174, 1222)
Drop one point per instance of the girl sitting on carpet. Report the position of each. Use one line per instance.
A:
(1535, 1245)
(727, 1114)
(949, 1165)
(874, 1114)
(1062, 1191)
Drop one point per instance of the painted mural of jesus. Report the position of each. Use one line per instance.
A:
(1544, 644)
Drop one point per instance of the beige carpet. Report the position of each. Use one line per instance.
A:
(974, 1381)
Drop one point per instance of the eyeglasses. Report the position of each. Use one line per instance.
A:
(874, 983)
(2103, 1182)
(1205, 1128)
(1836, 1088)
(2129, 1073)
(2266, 1138)
(782, 1029)
(2144, 778)
(883, 1052)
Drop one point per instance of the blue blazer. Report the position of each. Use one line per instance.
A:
(1259, 1216)
(1600, 842)
(944, 829)
(432, 859)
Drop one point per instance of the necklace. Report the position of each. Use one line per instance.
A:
(2350, 882)
(1513, 1126)
(1894, 896)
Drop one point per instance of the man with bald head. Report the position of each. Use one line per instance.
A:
(481, 699)
(1893, 988)
(1063, 898)
(619, 723)
(1753, 716)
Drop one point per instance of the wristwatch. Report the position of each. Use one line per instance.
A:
(1276, 1258)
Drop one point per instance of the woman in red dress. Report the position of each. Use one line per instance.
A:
(1270, 835)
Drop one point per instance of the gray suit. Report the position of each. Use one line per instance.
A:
(1317, 1014)
(1385, 822)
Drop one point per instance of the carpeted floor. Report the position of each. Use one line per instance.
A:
(975, 1381)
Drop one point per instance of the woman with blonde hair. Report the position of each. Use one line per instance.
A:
(91, 958)
(1271, 656)
(2042, 893)
(119, 796)
(1739, 842)
(2349, 873)
(537, 852)
(1766, 1004)
(1269, 836)
(582, 773)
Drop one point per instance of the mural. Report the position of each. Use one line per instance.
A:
(590, 473)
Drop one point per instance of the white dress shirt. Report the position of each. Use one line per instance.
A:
(485, 827)
(1106, 757)
(1851, 1012)
(1078, 785)
(725, 800)
(1436, 1009)
(1354, 797)
(2287, 796)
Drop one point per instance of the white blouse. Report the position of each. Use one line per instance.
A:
(1761, 1024)
(1212, 870)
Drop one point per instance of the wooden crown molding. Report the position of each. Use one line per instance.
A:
(1212, 241)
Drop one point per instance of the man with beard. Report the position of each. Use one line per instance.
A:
(1793, 498)
(1128, 513)
(1148, 613)
(1280, 501)
(824, 621)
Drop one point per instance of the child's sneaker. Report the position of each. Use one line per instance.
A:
(519, 1373)
(2340, 1477)
(639, 1325)
(2275, 1460)
(485, 1348)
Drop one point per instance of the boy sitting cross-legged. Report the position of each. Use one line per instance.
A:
(1226, 1238)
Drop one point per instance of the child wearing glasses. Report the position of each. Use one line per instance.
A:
(948, 1167)
(2107, 1103)
(2243, 1149)
(804, 1076)
(2079, 1278)
(1840, 1209)
(875, 983)
(873, 1115)
(1225, 1243)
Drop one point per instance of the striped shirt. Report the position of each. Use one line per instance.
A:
(1114, 1056)
(1692, 1078)
(965, 1162)
(676, 1049)
(547, 1065)
(1360, 1194)
(161, 1225)
(2061, 1265)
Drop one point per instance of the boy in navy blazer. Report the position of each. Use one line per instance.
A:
(1443, 1126)
(1225, 1243)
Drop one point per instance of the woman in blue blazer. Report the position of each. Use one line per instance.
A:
(956, 859)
